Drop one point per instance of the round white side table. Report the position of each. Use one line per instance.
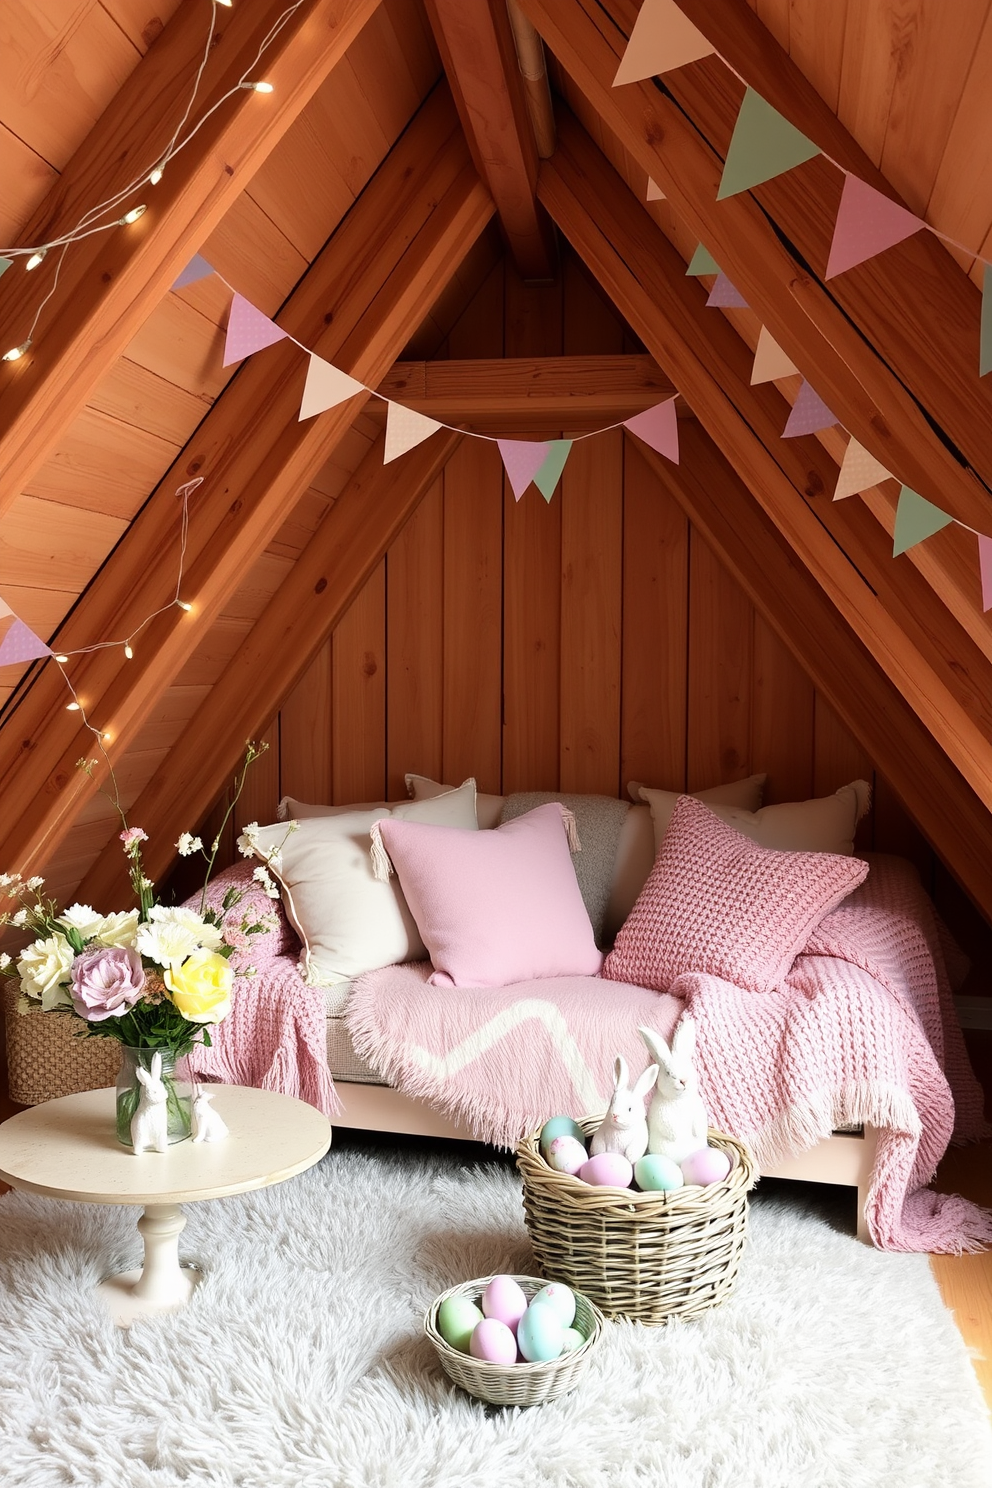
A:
(68, 1149)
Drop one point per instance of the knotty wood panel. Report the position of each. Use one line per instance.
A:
(782, 705)
(305, 733)
(358, 694)
(414, 642)
(720, 672)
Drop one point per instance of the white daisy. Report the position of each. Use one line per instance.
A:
(83, 919)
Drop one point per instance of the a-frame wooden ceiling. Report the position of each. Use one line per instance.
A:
(360, 205)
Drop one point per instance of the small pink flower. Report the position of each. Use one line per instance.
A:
(106, 982)
(131, 836)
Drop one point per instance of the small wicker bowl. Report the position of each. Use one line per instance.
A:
(516, 1384)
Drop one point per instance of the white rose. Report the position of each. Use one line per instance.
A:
(83, 919)
(207, 935)
(118, 929)
(165, 943)
(44, 968)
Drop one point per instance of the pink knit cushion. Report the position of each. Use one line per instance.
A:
(495, 907)
(717, 902)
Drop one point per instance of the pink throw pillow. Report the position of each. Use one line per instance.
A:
(495, 907)
(719, 903)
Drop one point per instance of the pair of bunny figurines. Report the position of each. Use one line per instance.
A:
(676, 1123)
(150, 1122)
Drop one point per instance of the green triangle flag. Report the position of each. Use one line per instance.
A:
(5, 264)
(764, 144)
(554, 463)
(702, 262)
(916, 519)
(985, 353)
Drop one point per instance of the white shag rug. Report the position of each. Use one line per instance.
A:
(301, 1362)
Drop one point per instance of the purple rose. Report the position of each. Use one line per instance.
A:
(106, 982)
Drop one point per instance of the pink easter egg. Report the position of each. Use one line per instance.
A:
(607, 1169)
(707, 1165)
(504, 1300)
(566, 1155)
(494, 1342)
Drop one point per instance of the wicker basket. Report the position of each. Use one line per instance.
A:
(47, 1058)
(646, 1256)
(516, 1384)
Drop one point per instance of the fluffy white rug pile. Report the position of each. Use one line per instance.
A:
(301, 1362)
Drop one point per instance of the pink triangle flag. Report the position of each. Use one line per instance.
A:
(867, 223)
(770, 361)
(21, 644)
(405, 429)
(659, 428)
(724, 295)
(197, 268)
(985, 564)
(248, 331)
(663, 38)
(808, 414)
(326, 387)
(522, 459)
(859, 470)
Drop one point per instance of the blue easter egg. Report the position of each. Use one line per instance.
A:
(540, 1333)
(559, 1126)
(654, 1171)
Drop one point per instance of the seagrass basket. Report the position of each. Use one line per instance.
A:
(46, 1057)
(516, 1384)
(646, 1256)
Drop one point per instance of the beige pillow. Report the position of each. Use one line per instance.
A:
(825, 824)
(290, 809)
(487, 808)
(741, 795)
(349, 921)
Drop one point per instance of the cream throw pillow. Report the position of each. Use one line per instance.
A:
(348, 921)
(825, 824)
(487, 808)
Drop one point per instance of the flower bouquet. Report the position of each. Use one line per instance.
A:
(155, 977)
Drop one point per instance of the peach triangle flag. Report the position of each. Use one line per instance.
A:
(770, 361)
(405, 429)
(326, 387)
(867, 223)
(248, 331)
(655, 192)
(4, 608)
(663, 38)
(859, 470)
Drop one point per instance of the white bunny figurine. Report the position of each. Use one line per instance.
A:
(208, 1124)
(677, 1119)
(624, 1129)
(150, 1123)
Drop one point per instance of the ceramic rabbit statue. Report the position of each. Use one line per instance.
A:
(624, 1128)
(208, 1124)
(150, 1122)
(677, 1119)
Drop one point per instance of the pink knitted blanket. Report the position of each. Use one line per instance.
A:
(862, 1030)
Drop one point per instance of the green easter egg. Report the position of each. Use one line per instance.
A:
(560, 1126)
(456, 1320)
(655, 1171)
(572, 1340)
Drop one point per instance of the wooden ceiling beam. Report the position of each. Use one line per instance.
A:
(638, 267)
(351, 540)
(109, 283)
(888, 346)
(360, 301)
(480, 61)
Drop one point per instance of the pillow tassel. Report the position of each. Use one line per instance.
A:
(381, 866)
(571, 830)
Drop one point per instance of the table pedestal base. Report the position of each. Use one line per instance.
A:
(162, 1285)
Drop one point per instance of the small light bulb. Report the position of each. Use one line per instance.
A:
(62, 659)
(133, 215)
(105, 737)
(226, 3)
(184, 604)
(72, 707)
(259, 87)
(16, 352)
(156, 175)
(36, 258)
(128, 651)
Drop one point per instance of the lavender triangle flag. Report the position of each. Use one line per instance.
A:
(552, 466)
(248, 331)
(867, 223)
(197, 268)
(659, 428)
(522, 459)
(809, 413)
(985, 565)
(724, 295)
(21, 644)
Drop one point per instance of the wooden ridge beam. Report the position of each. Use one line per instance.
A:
(342, 553)
(358, 304)
(888, 346)
(480, 62)
(639, 268)
(109, 283)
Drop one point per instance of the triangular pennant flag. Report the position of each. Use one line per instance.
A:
(916, 519)
(859, 470)
(326, 387)
(725, 296)
(4, 608)
(522, 459)
(552, 466)
(808, 414)
(21, 644)
(867, 223)
(197, 268)
(655, 192)
(663, 38)
(702, 262)
(985, 351)
(405, 429)
(659, 428)
(248, 331)
(5, 263)
(985, 565)
(763, 145)
(770, 361)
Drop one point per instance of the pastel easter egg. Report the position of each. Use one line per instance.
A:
(559, 1126)
(566, 1155)
(561, 1298)
(571, 1340)
(494, 1342)
(540, 1333)
(607, 1169)
(708, 1165)
(655, 1172)
(504, 1300)
(457, 1318)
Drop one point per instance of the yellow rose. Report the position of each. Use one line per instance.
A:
(200, 986)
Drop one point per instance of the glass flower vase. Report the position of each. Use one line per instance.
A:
(178, 1092)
